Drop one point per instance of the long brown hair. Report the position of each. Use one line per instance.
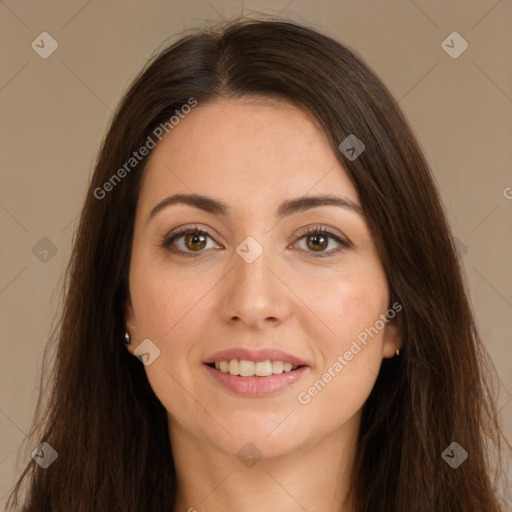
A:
(102, 417)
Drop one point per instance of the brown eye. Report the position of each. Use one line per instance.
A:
(188, 242)
(317, 242)
(195, 241)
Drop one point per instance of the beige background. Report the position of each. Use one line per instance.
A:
(54, 113)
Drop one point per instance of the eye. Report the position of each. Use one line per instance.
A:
(187, 241)
(317, 239)
(191, 241)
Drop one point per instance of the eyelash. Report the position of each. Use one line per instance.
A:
(315, 230)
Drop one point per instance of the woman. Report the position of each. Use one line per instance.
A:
(265, 309)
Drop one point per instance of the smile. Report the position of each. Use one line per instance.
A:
(246, 368)
(254, 385)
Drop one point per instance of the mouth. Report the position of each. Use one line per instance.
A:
(245, 368)
(247, 378)
(252, 372)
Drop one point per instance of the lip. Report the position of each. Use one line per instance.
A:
(256, 386)
(263, 354)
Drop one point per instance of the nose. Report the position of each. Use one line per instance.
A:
(254, 295)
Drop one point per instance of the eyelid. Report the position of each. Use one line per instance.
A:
(334, 233)
(177, 233)
(331, 233)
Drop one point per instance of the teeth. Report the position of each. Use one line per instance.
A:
(250, 368)
(263, 368)
(234, 367)
(246, 368)
(277, 366)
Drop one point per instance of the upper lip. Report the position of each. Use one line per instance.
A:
(263, 354)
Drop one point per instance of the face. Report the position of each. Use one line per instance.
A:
(251, 272)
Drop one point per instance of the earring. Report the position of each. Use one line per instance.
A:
(397, 352)
(127, 339)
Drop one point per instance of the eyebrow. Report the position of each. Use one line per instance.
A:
(288, 207)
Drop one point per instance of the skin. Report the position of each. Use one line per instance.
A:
(253, 154)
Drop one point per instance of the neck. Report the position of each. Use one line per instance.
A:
(312, 478)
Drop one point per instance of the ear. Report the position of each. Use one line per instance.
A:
(392, 339)
(130, 325)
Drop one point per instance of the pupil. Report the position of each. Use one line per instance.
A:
(194, 238)
(316, 244)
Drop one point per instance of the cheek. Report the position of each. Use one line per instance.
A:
(166, 299)
(345, 306)
(350, 349)
(170, 311)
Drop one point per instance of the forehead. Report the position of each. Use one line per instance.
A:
(250, 151)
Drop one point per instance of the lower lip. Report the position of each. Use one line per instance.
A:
(256, 386)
